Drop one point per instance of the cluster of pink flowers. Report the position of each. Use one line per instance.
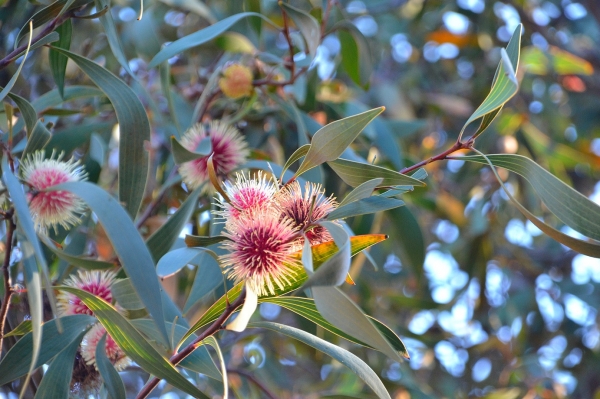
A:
(98, 283)
(266, 225)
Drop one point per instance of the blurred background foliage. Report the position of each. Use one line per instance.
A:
(487, 305)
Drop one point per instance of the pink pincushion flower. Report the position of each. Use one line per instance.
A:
(53, 208)
(89, 344)
(260, 250)
(229, 150)
(95, 282)
(247, 194)
(306, 207)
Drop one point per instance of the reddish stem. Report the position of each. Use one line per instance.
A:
(459, 145)
(8, 289)
(213, 329)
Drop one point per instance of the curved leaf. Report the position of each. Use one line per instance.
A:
(133, 343)
(200, 37)
(335, 269)
(16, 362)
(356, 56)
(28, 113)
(112, 35)
(128, 244)
(175, 260)
(306, 308)
(356, 173)
(112, 380)
(8, 87)
(364, 206)
(299, 153)
(353, 362)
(308, 26)
(202, 241)
(40, 136)
(332, 140)
(58, 62)
(364, 190)
(208, 277)
(182, 154)
(57, 379)
(134, 128)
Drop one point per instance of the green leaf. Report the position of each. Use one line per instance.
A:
(69, 139)
(200, 37)
(504, 86)
(112, 379)
(128, 244)
(57, 379)
(34, 295)
(85, 263)
(571, 207)
(182, 154)
(356, 56)
(308, 26)
(212, 341)
(299, 153)
(320, 253)
(23, 328)
(112, 35)
(353, 362)
(203, 241)
(165, 84)
(133, 343)
(124, 294)
(175, 260)
(339, 310)
(331, 140)
(134, 128)
(364, 190)
(28, 114)
(16, 362)
(410, 237)
(58, 61)
(364, 206)
(234, 42)
(208, 276)
(306, 308)
(356, 173)
(49, 38)
(40, 136)
(164, 238)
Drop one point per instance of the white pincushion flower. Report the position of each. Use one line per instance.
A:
(52, 208)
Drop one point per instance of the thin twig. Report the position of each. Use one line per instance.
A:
(154, 204)
(459, 145)
(215, 327)
(255, 381)
(326, 17)
(286, 34)
(13, 55)
(8, 289)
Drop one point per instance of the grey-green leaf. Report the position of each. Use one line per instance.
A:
(40, 136)
(334, 270)
(353, 362)
(355, 173)
(200, 37)
(182, 154)
(308, 26)
(57, 379)
(28, 113)
(208, 276)
(16, 362)
(365, 190)
(175, 260)
(128, 244)
(134, 128)
(112, 35)
(112, 379)
(340, 311)
(331, 140)
(365, 206)
(58, 61)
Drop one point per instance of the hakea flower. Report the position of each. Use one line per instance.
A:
(236, 81)
(95, 282)
(52, 208)
(229, 150)
(246, 194)
(305, 208)
(260, 250)
(115, 354)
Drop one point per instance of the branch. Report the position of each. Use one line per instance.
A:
(286, 34)
(215, 327)
(256, 382)
(459, 145)
(8, 289)
(10, 57)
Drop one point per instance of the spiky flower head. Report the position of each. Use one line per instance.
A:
(247, 193)
(260, 250)
(229, 150)
(89, 344)
(236, 81)
(53, 208)
(306, 207)
(95, 282)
